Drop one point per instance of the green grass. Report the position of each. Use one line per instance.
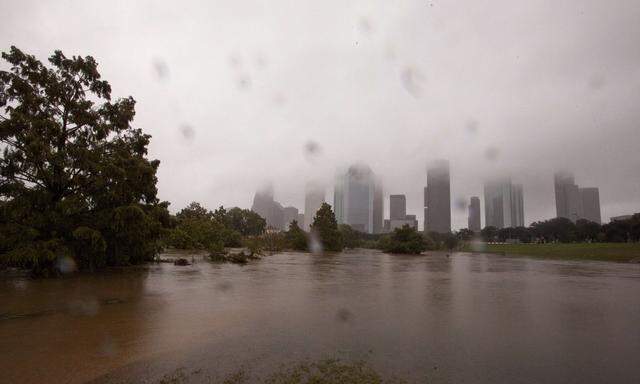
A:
(616, 252)
(330, 371)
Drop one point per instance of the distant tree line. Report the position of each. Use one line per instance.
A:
(564, 231)
(195, 227)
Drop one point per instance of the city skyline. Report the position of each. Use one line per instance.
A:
(585, 201)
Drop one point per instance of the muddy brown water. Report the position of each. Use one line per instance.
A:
(464, 318)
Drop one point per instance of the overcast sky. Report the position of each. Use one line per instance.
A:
(238, 93)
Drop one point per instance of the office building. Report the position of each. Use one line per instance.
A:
(474, 214)
(269, 209)
(398, 214)
(397, 207)
(354, 198)
(573, 202)
(503, 204)
(437, 196)
(378, 207)
(568, 200)
(590, 204)
(313, 199)
(290, 214)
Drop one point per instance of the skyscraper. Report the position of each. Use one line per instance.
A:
(591, 204)
(573, 202)
(517, 206)
(503, 204)
(474, 214)
(353, 198)
(438, 198)
(378, 207)
(397, 207)
(568, 200)
(313, 199)
(398, 213)
(290, 214)
(265, 206)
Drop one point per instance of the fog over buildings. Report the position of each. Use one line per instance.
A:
(573, 202)
(239, 93)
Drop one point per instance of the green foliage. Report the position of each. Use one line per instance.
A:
(216, 251)
(254, 245)
(273, 241)
(329, 371)
(295, 237)
(563, 230)
(199, 228)
(245, 221)
(74, 173)
(38, 256)
(90, 248)
(404, 240)
(350, 237)
(326, 228)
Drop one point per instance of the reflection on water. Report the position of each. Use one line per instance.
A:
(457, 318)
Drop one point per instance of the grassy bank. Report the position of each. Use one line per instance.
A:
(617, 252)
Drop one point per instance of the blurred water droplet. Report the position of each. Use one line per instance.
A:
(311, 150)
(84, 307)
(491, 153)
(66, 264)
(260, 60)
(187, 132)
(315, 246)
(108, 347)
(161, 69)
(243, 82)
(477, 245)
(344, 315)
(472, 126)
(412, 81)
(235, 60)
(365, 26)
(224, 286)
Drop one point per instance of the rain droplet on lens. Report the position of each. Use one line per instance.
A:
(312, 148)
(161, 69)
(597, 82)
(66, 264)
(224, 286)
(243, 82)
(365, 26)
(472, 126)
(235, 61)
(491, 153)
(343, 315)
(412, 81)
(187, 132)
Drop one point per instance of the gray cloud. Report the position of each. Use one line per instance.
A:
(547, 85)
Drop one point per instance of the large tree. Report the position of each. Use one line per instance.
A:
(74, 173)
(325, 227)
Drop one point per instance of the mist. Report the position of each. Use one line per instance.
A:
(240, 93)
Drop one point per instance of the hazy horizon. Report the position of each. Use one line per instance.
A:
(239, 93)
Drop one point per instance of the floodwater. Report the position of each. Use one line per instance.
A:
(434, 318)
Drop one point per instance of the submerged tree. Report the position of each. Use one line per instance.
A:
(404, 240)
(326, 228)
(296, 238)
(74, 175)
